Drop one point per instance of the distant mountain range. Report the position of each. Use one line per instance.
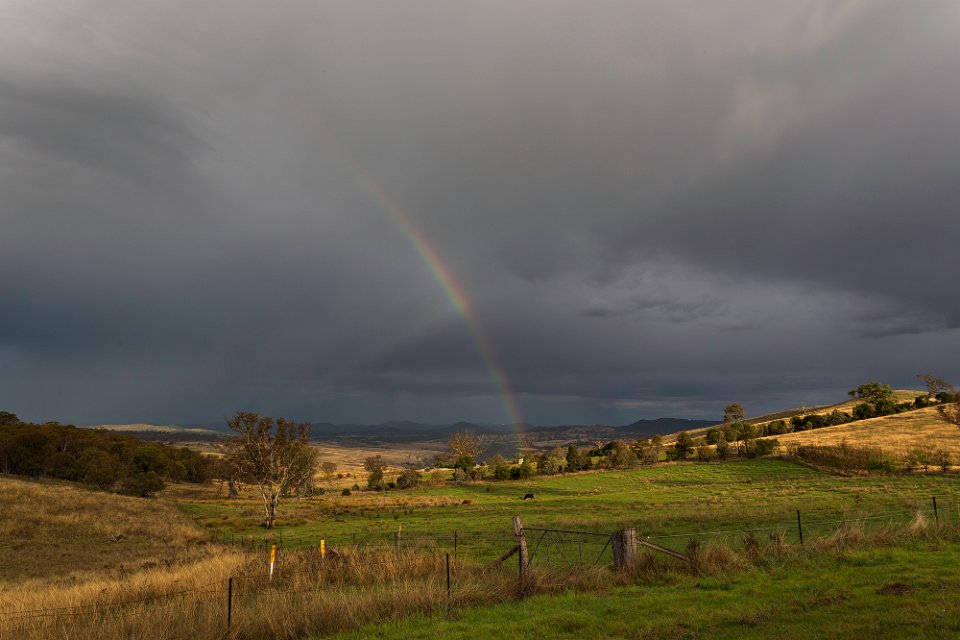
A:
(406, 430)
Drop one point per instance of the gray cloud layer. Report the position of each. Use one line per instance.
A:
(655, 208)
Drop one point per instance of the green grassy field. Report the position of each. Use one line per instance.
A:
(902, 592)
(670, 503)
(869, 566)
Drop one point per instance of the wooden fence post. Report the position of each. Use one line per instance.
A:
(229, 606)
(522, 548)
(624, 548)
(448, 583)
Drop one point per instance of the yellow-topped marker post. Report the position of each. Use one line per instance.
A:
(273, 558)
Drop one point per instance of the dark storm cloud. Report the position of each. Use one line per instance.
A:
(654, 208)
(121, 130)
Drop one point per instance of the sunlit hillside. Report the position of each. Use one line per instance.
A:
(70, 532)
(899, 395)
(897, 433)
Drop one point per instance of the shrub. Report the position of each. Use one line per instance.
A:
(409, 479)
(464, 462)
(863, 411)
(883, 464)
(703, 451)
(921, 457)
(645, 451)
(573, 458)
(345, 492)
(683, 446)
(838, 417)
(550, 465)
(723, 448)
(775, 428)
(521, 472)
(375, 479)
(142, 484)
(942, 459)
(622, 456)
(767, 447)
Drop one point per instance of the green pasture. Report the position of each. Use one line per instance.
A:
(670, 503)
(904, 592)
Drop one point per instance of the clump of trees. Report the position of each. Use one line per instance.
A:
(107, 460)
(876, 400)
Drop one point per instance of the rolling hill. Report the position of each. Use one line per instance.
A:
(899, 433)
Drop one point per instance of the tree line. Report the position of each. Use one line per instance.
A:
(107, 460)
(876, 400)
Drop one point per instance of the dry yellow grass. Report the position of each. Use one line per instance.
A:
(899, 395)
(184, 596)
(898, 433)
(59, 529)
(305, 596)
(349, 459)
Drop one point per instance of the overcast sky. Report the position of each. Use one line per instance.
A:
(654, 208)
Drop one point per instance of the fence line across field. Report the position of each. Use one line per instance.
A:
(547, 543)
(468, 538)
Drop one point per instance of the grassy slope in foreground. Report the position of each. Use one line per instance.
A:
(906, 592)
(60, 529)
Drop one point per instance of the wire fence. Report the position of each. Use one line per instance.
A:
(305, 566)
(486, 546)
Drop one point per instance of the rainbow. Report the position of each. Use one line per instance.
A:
(444, 276)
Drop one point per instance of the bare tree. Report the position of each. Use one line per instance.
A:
(466, 444)
(950, 410)
(274, 455)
